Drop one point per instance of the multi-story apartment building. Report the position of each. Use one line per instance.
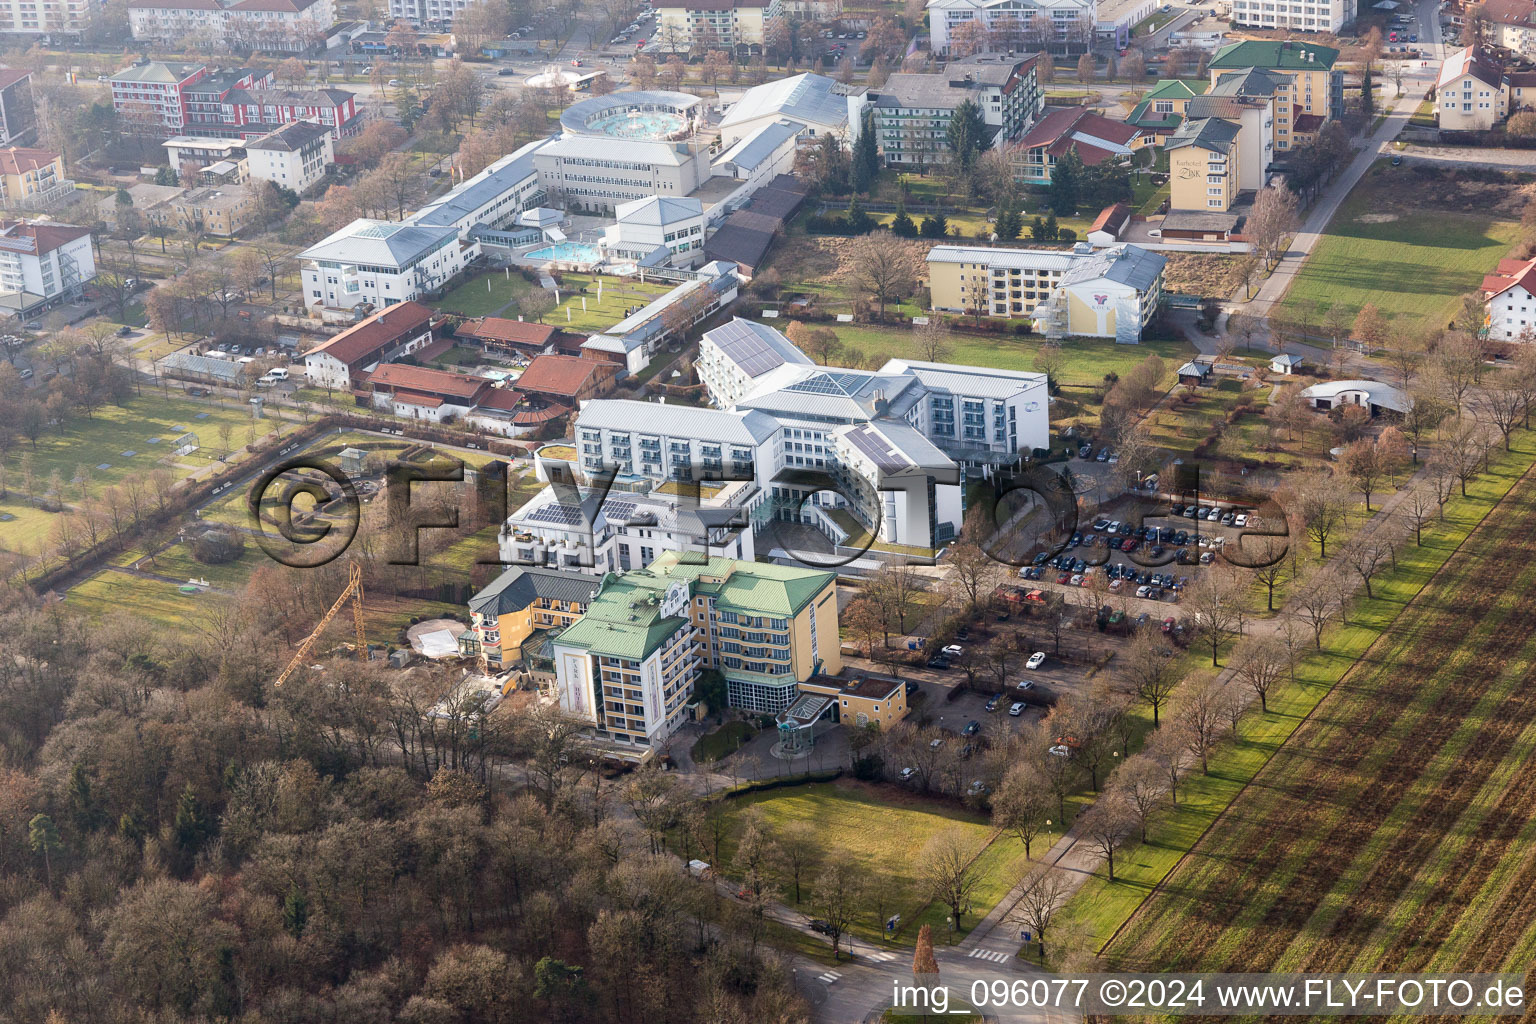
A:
(380, 263)
(186, 99)
(811, 10)
(647, 440)
(523, 601)
(1246, 99)
(32, 179)
(743, 25)
(43, 264)
(150, 98)
(587, 531)
(913, 111)
(294, 156)
(222, 211)
(1203, 160)
(427, 12)
(1311, 94)
(45, 17)
(272, 25)
(1113, 293)
(343, 361)
(1296, 15)
(597, 174)
(969, 26)
(18, 111)
(627, 668)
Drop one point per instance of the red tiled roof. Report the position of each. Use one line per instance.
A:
(1524, 276)
(1111, 218)
(286, 6)
(10, 76)
(422, 379)
(1510, 12)
(45, 237)
(1305, 122)
(18, 160)
(564, 376)
(502, 399)
(515, 332)
(361, 341)
(1057, 128)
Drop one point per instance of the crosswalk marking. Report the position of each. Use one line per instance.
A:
(989, 954)
(830, 977)
(881, 956)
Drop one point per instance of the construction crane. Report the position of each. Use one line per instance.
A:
(353, 590)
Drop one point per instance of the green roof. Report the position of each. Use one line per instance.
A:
(757, 588)
(624, 620)
(1287, 55)
(1177, 89)
(1143, 116)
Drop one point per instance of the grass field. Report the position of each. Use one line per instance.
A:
(486, 296)
(619, 296)
(881, 830)
(725, 740)
(151, 600)
(1084, 361)
(104, 439)
(1413, 262)
(1426, 712)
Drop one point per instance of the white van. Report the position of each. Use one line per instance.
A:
(278, 373)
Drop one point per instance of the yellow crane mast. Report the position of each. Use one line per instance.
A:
(353, 590)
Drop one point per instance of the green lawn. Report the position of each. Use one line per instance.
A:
(619, 296)
(89, 443)
(486, 296)
(151, 600)
(1085, 361)
(1099, 908)
(725, 740)
(177, 562)
(1414, 266)
(881, 831)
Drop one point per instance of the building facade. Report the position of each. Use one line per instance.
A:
(43, 265)
(1204, 157)
(1296, 15)
(522, 601)
(1310, 94)
(295, 156)
(18, 110)
(742, 25)
(379, 263)
(270, 25)
(968, 26)
(912, 112)
(32, 178)
(343, 362)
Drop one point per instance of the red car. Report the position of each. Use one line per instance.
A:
(1130, 544)
(1168, 625)
(1064, 577)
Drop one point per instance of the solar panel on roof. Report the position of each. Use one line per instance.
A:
(562, 515)
(619, 509)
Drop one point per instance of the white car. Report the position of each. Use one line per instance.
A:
(936, 744)
(907, 773)
(1061, 750)
(1241, 521)
(1016, 709)
(1143, 591)
(953, 650)
(1035, 660)
(1025, 685)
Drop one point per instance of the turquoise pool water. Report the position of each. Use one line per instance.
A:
(568, 252)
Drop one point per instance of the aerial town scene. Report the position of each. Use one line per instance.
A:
(766, 511)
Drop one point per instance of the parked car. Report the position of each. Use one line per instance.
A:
(907, 773)
(971, 728)
(995, 702)
(1016, 709)
(953, 651)
(1024, 685)
(938, 661)
(938, 742)
(1168, 625)
(1035, 660)
(820, 927)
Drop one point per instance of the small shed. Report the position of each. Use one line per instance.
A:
(1285, 363)
(1193, 373)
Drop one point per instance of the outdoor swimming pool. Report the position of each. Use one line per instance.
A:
(647, 124)
(567, 252)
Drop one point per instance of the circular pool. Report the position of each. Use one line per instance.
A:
(634, 115)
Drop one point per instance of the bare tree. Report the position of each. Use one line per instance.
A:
(932, 339)
(1106, 826)
(1366, 557)
(1044, 893)
(1315, 604)
(1504, 405)
(1142, 783)
(1215, 601)
(949, 873)
(1418, 508)
(1201, 716)
(1021, 806)
(1260, 666)
(1149, 670)
(1272, 221)
(835, 898)
(885, 268)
